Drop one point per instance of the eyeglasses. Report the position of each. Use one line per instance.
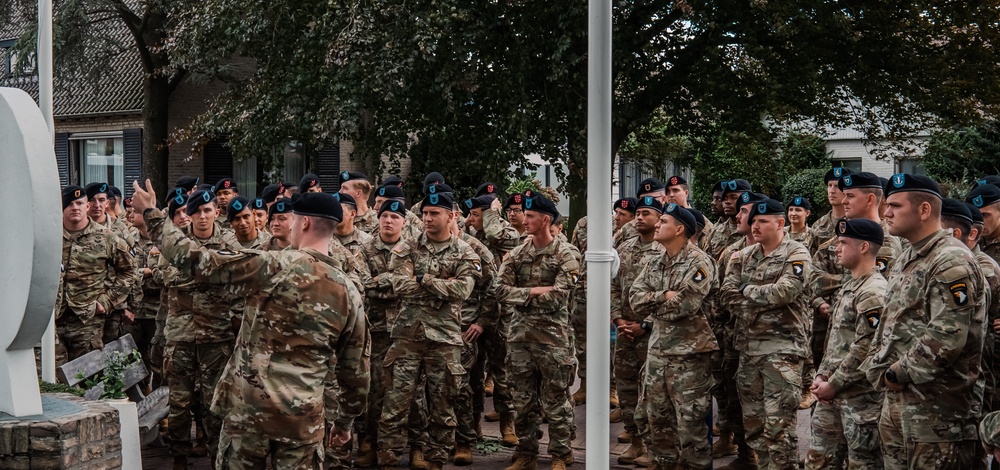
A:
(514, 211)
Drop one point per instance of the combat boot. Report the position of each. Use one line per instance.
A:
(463, 454)
(633, 452)
(417, 460)
(488, 385)
(492, 416)
(615, 416)
(367, 458)
(524, 462)
(745, 460)
(724, 446)
(614, 398)
(580, 395)
(644, 460)
(507, 430)
(624, 437)
(558, 463)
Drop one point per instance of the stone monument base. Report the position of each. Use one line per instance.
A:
(71, 434)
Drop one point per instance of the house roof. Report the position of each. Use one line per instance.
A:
(118, 91)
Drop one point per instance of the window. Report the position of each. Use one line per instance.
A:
(13, 64)
(911, 166)
(853, 164)
(100, 158)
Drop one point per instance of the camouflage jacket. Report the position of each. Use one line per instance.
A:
(498, 234)
(722, 318)
(350, 263)
(199, 312)
(271, 245)
(97, 267)
(991, 271)
(720, 236)
(481, 307)
(635, 255)
(543, 319)
(804, 237)
(828, 275)
(354, 241)
(765, 293)
(853, 320)
(145, 301)
(259, 243)
(302, 358)
(579, 241)
(432, 307)
(822, 230)
(383, 303)
(991, 248)
(367, 222)
(680, 325)
(933, 327)
(627, 232)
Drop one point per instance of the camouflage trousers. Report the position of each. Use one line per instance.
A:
(251, 451)
(404, 363)
(493, 345)
(629, 359)
(469, 404)
(770, 389)
(725, 364)
(543, 375)
(846, 430)
(579, 324)
(189, 366)
(676, 398)
(901, 451)
(376, 390)
(77, 336)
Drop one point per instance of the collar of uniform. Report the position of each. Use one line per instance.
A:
(785, 240)
(680, 254)
(923, 247)
(216, 236)
(381, 245)
(550, 248)
(431, 245)
(326, 258)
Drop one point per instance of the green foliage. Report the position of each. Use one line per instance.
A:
(113, 374)
(962, 154)
(808, 183)
(47, 387)
(524, 184)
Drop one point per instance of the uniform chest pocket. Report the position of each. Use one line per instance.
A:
(769, 272)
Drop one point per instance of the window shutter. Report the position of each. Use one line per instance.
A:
(62, 157)
(132, 140)
(218, 161)
(328, 166)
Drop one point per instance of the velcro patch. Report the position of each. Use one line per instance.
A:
(699, 276)
(873, 317)
(574, 276)
(735, 255)
(398, 248)
(798, 268)
(477, 265)
(882, 263)
(154, 251)
(506, 256)
(959, 293)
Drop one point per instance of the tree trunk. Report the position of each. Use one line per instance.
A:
(155, 114)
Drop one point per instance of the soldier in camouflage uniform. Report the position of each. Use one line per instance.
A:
(243, 220)
(432, 275)
(630, 350)
(678, 192)
(578, 316)
(991, 270)
(723, 233)
(394, 192)
(845, 422)
(668, 294)
(356, 185)
(763, 288)
(823, 228)
(647, 187)
(199, 332)
(144, 302)
(986, 197)
(97, 274)
(225, 192)
(799, 210)
(927, 351)
(349, 236)
(989, 434)
(279, 220)
(535, 281)
(276, 409)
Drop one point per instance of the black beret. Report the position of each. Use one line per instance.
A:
(392, 206)
(541, 204)
(345, 199)
(226, 183)
(647, 186)
(861, 229)
(178, 191)
(486, 188)
(479, 202)
(308, 181)
(270, 193)
(514, 199)
(676, 180)
(736, 186)
(391, 192)
(902, 182)
(627, 204)
(834, 174)
(766, 207)
(198, 199)
(432, 178)
(282, 205)
(207, 187)
(699, 218)
(236, 206)
(983, 196)
(684, 216)
(114, 191)
(93, 189)
(440, 188)
(717, 187)
(863, 179)
(649, 202)
(800, 201)
(71, 193)
(346, 176)
(977, 215)
(988, 179)
(176, 202)
(187, 182)
(883, 182)
(392, 180)
(259, 204)
(318, 205)
(748, 197)
(438, 200)
(955, 208)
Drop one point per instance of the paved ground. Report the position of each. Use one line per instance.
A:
(157, 458)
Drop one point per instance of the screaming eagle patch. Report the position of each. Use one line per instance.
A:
(959, 293)
(872, 317)
(699, 276)
(882, 263)
(574, 276)
(798, 268)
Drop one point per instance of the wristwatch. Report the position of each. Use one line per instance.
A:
(420, 279)
(644, 325)
(890, 376)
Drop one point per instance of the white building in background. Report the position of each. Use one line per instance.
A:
(850, 148)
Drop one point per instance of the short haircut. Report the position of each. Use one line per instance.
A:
(323, 225)
(963, 225)
(879, 194)
(364, 185)
(919, 197)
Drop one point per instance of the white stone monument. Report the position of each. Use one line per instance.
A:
(30, 247)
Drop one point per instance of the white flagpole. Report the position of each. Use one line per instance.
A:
(43, 58)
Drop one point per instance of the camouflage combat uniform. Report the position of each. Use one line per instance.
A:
(260, 243)
(426, 336)
(630, 355)
(822, 230)
(144, 303)
(480, 309)
(368, 222)
(540, 354)
(302, 356)
(578, 316)
(676, 389)
(846, 429)
(932, 329)
(354, 241)
(97, 268)
(765, 293)
(991, 345)
(721, 235)
(803, 237)
(726, 361)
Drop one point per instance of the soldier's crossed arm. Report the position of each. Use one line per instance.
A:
(729, 293)
(789, 286)
(822, 282)
(696, 283)
(565, 281)
(352, 367)
(508, 290)
(468, 269)
(952, 301)
(868, 306)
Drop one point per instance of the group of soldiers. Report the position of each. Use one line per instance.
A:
(310, 330)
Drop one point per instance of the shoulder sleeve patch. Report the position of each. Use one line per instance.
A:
(399, 248)
(476, 264)
(574, 275)
(227, 252)
(735, 255)
(798, 268)
(959, 293)
(882, 263)
(873, 317)
(699, 275)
